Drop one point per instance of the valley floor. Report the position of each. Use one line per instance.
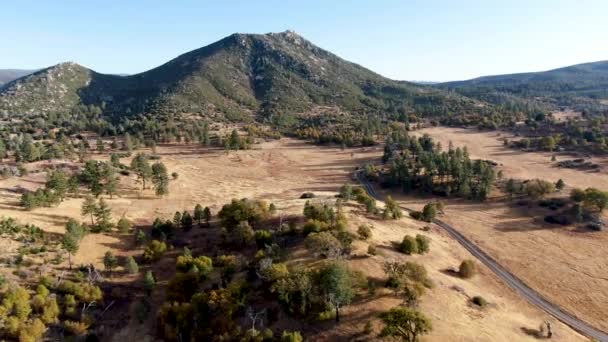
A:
(280, 171)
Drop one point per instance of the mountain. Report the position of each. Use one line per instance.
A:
(275, 77)
(7, 75)
(581, 85)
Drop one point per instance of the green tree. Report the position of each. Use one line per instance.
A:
(207, 215)
(123, 225)
(335, 283)
(141, 166)
(57, 181)
(111, 181)
(235, 140)
(177, 219)
(89, 207)
(392, 209)
(149, 283)
(103, 216)
(127, 143)
(596, 198)
(346, 192)
(100, 147)
(160, 179)
(198, 214)
(186, 221)
(560, 184)
(405, 324)
(131, 265)
(577, 195)
(109, 262)
(429, 212)
(71, 244)
(2, 150)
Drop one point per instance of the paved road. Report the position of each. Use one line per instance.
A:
(515, 283)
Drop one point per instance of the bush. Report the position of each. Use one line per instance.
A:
(577, 195)
(594, 226)
(202, 264)
(307, 195)
(423, 243)
(467, 269)
(263, 238)
(291, 336)
(429, 212)
(479, 301)
(123, 225)
(371, 249)
(558, 219)
(364, 231)
(131, 265)
(416, 215)
(314, 226)
(76, 328)
(409, 245)
(154, 251)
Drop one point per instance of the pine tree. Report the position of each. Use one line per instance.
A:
(89, 207)
(100, 147)
(207, 215)
(141, 166)
(198, 214)
(109, 261)
(103, 216)
(149, 283)
(160, 179)
(131, 265)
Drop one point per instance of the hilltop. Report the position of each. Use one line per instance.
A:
(271, 77)
(582, 86)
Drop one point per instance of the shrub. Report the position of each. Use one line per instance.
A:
(409, 245)
(429, 212)
(131, 265)
(314, 226)
(364, 231)
(371, 249)
(558, 219)
(154, 251)
(423, 243)
(263, 238)
(577, 195)
(291, 336)
(123, 225)
(416, 215)
(594, 226)
(467, 269)
(76, 328)
(202, 264)
(479, 301)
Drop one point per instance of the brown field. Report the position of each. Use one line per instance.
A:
(569, 265)
(280, 171)
(565, 115)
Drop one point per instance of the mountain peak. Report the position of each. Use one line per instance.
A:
(275, 77)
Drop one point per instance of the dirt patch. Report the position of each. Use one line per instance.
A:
(566, 264)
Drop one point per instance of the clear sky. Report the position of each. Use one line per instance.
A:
(409, 40)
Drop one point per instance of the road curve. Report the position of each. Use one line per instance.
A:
(515, 283)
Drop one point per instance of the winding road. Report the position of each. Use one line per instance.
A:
(515, 283)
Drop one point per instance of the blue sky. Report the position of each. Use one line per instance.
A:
(411, 40)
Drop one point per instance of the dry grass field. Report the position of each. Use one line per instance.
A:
(280, 171)
(569, 265)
